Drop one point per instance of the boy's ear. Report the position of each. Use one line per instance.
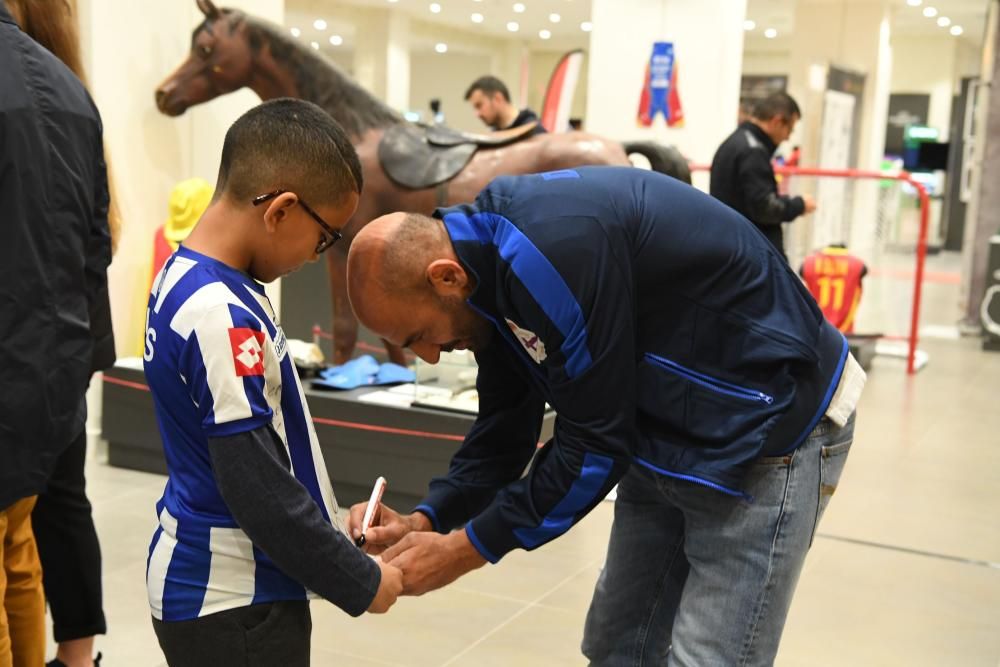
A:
(278, 210)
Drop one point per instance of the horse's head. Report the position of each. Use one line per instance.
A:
(220, 62)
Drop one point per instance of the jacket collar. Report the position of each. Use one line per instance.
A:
(5, 16)
(472, 236)
(760, 135)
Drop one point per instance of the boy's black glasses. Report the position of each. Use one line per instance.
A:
(330, 235)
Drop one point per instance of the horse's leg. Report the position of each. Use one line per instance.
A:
(345, 326)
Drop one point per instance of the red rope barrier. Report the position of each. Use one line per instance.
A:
(925, 208)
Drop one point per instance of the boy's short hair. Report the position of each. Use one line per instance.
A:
(489, 85)
(289, 144)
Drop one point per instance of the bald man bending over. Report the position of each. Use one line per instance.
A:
(687, 364)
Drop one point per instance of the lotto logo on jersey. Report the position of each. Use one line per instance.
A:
(247, 351)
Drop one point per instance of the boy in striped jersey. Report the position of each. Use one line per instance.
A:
(248, 524)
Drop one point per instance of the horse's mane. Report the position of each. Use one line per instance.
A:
(319, 80)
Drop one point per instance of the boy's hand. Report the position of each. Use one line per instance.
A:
(387, 528)
(389, 589)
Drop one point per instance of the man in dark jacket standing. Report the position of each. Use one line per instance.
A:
(53, 263)
(686, 362)
(742, 175)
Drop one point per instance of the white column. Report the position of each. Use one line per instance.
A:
(382, 56)
(708, 46)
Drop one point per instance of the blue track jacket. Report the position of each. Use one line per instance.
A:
(662, 327)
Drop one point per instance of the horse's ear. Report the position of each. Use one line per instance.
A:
(209, 9)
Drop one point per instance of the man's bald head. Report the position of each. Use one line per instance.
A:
(389, 256)
(406, 284)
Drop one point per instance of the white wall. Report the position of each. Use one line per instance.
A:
(426, 81)
(926, 65)
(130, 47)
(708, 43)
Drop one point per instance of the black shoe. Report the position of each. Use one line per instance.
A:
(56, 662)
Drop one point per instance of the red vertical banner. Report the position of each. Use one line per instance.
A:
(560, 92)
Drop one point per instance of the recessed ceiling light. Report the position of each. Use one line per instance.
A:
(770, 33)
(296, 32)
(956, 30)
(315, 45)
(435, 8)
(749, 25)
(393, 1)
(555, 18)
(513, 26)
(518, 7)
(944, 21)
(319, 24)
(586, 26)
(441, 47)
(914, 3)
(544, 34)
(930, 12)
(477, 17)
(336, 40)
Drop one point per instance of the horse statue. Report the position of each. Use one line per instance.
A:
(407, 167)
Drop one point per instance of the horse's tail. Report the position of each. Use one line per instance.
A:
(664, 159)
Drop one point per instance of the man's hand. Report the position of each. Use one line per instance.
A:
(810, 203)
(430, 561)
(387, 528)
(389, 589)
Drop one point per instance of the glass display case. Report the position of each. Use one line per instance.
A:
(449, 384)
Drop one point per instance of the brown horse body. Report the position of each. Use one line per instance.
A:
(230, 51)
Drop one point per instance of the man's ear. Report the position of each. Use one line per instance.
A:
(447, 277)
(278, 210)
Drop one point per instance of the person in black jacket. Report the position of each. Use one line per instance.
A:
(686, 363)
(742, 175)
(53, 263)
(490, 99)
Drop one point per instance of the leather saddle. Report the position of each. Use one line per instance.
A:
(421, 156)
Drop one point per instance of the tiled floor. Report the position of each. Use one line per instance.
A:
(906, 570)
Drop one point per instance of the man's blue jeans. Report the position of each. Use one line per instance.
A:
(697, 578)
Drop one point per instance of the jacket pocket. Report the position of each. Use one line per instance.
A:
(690, 408)
(709, 382)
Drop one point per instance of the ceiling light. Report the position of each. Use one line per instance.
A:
(930, 12)
(770, 33)
(393, 1)
(513, 26)
(944, 21)
(518, 7)
(296, 32)
(336, 40)
(749, 25)
(586, 26)
(315, 45)
(477, 18)
(555, 18)
(319, 24)
(544, 34)
(914, 3)
(435, 8)
(441, 47)
(956, 30)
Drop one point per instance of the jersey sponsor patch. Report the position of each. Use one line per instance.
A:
(247, 356)
(530, 341)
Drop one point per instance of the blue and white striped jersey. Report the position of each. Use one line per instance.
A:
(217, 365)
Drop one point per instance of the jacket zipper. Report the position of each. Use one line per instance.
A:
(711, 383)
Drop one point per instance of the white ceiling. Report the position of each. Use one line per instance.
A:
(454, 14)
(907, 20)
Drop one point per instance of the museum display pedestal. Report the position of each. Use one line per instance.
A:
(363, 433)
